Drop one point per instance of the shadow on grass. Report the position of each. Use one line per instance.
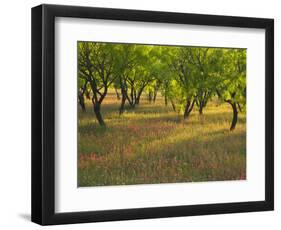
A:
(121, 122)
(110, 110)
(219, 158)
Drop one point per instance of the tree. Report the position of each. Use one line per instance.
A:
(153, 88)
(82, 84)
(135, 73)
(126, 62)
(201, 60)
(184, 75)
(231, 86)
(96, 66)
(136, 81)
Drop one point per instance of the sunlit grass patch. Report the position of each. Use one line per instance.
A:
(153, 144)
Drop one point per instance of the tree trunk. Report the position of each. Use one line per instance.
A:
(82, 103)
(87, 94)
(98, 114)
(117, 94)
(235, 116)
(201, 103)
(154, 96)
(239, 107)
(188, 108)
(173, 105)
(123, 100)
(150, 96)
(166, 100)
(201, 110)
(138, 95)
(136, 98)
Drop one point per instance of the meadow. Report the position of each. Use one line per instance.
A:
(153, 144)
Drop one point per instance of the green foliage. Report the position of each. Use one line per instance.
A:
(184, 75)
(231, 80)
(152, 143)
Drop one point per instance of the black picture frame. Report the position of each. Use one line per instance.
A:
(43, 114)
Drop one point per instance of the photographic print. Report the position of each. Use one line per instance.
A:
(153, 105)
(160, 114)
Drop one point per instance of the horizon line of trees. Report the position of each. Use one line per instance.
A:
(185, 76)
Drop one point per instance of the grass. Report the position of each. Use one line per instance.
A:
(153, 144)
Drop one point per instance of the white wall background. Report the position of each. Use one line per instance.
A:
(15, 114)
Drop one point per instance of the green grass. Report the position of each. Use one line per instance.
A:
(153, 144)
